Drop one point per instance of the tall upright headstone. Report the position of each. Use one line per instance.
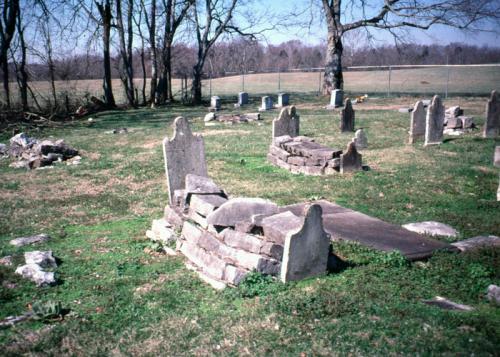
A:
(306, 251)
(417, 122)
(434, 122)
(242, 98)
(287, 123)
(492, 125)
(183, 154)
(283, 99)
(267, 104)
(347, 117)
(215, 103)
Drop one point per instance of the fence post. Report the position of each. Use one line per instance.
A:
(279, 80)
(447, 80)
(319, 83)
(389, 87)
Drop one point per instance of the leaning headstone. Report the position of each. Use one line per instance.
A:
(267, 104)
(492, 125)
(306, 251)
(417, 123)
(184, 154)
(283, 99)
(336, 98)
(434, 122)
(360, 139)
(496, 157)
(287, 123)
(351, 160)
(242, 98)
(347, 117)
(215, 103)
(493, 294)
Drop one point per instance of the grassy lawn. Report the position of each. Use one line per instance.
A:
(125, 299)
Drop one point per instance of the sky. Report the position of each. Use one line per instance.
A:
(438, 34)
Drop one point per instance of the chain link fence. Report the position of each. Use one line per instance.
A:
(445, 80)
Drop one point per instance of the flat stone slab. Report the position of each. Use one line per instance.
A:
(432, 228)
(446, 304)
(477, 242)
(346, 224)
(240, 210)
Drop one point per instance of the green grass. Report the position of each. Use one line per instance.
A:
(124, 299)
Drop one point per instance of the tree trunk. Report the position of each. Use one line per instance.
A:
(143, 67)
(196, 94)
(23, 75)
(164, 90)
(127, 71)
(154, 61)
(107, 87)
(333, 65)
(5, 70)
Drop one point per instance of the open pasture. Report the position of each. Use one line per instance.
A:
(125, 298)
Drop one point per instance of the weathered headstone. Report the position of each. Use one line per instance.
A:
(283, 99)
(184, 154)
(351, 160)
(287, 123)
(336, 98)
(242, 98)
(360, 139)
(434, 122)
(347, 117)
(306, 250)
(267, 104)
(215, 103)
(492, 125)
(417, 122)
(496, 156)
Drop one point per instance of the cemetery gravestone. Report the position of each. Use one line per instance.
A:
(351, 160)
(184, 154)
(215, 103)
(434, 122)
(492, 125)
(287, 123)
(347, 117)
(336, 98)
(417, 123)
(360, 139)
(283, 99)
(242, 98)
(267, 104)
(306, 251)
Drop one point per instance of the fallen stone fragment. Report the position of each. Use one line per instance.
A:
(161, 231)
(6, 261)
(240, 209)
(404, 110)
(173, 217)
(431, 228)
(43, 259)
(201, 185)
(22, 241)
(22, 140)
(493, 294)
(446, 304)
(240, 240)
(3, 150)
(477, 242)
(120, 131)
(209, 117)
(35, 273)
(454, 111)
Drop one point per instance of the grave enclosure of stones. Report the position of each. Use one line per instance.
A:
(224, 238)
(302, 155)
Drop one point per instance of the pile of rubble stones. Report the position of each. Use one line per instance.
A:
(32, 153)
(455, 119)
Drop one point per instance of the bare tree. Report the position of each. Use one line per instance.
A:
(9, 10)
(105, 22)
(126, 36)
(392, 15)
(175, 12)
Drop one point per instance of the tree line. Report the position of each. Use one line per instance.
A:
(162, 39)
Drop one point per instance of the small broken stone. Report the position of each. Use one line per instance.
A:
(43, 259)
(35, 273)
(22, 241)
(446, 304)
(493, 294)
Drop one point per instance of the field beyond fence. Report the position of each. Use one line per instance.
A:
(442, 80)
